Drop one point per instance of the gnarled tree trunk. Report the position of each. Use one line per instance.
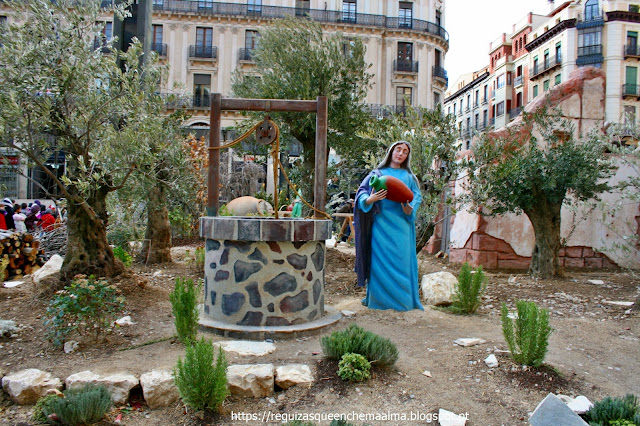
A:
(88, 251)
(157, 240)
(545, 218)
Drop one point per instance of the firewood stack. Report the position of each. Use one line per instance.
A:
(23, 253)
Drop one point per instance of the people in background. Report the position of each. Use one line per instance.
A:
(47, 221)
(8, 207)
(32, 217)
(18, 218)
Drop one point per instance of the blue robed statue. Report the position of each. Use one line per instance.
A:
(386, 259)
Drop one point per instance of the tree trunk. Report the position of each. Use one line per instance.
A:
(88, 251)
(156, 247)
(423, 233)
(545, 262)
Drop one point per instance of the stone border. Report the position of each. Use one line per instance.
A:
(248, 228)
(330, 316)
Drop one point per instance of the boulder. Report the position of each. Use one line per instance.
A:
(292, 375)
(7, 328)
(247, 347)
(552, 411)
(438, 288)
(580, 404)
(119, 384)
(243, 206)
(491, 361)
(27, 386)
(469, 341)
(159, 389)
(53, 266)
(253, 380)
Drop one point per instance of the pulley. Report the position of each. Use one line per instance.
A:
(266, 132)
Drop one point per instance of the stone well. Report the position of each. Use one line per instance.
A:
(263, 274)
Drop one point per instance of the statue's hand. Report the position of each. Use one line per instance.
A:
(377, 196)
(406, 208)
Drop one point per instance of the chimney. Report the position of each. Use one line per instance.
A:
(552, 5)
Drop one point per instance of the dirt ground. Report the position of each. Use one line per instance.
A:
(593, 351)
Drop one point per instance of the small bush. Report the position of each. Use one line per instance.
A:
(184, 305)
(354, 367)
(4, 262)
(123, 256)
(199, 254)
(354, 339)
(614, 411)
(38, 415)
(529, 338)
(468, 291)
(201, 383)
(81, 406)
(87, 306)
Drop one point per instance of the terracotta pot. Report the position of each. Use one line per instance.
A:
(396, 189)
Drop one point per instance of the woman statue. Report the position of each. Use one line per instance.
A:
(386, 259)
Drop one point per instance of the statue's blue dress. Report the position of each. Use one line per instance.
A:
(393, 278)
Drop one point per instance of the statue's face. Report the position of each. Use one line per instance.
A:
(399, 154)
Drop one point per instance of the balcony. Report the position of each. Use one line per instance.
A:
(205, 7)
(460, 112)
(631, 91)
(159, 48)
(405, 65)
(173, 101)
(518, 81)
(441, 73)
(631, 51)
(205, 52)
(476, 105)
(467, 109)
(592, 18)
(244, 54)
(383, 111)
(465, 133)
(547, 65)
(484, 100)
(588, 55)
(513, 113)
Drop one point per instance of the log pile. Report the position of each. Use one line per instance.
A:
(55, 241)
(21, 253)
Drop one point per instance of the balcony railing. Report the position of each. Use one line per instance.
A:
(244, 54)
(513, 113)
(439, 72)
(631, 50)
(588, 55)
(186, 101)
(493, 94)
(210, 52)
(275, 12)
(548, 63)
(590, 50)
(405, 65)
(467, 108)
(159, 48)
(518, 81)
(630, 90)
(460, 112)
(476, 105)
(492, 121)
(484, 100)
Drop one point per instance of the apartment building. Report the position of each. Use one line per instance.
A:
(205, 41)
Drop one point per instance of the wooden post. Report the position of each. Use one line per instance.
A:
(320, 175)
(213, 193)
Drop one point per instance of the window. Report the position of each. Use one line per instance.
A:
(204, 37)
(438, 18)
(632, 43)
(590, 41)
(438, 58)
(436, 99)
(403, 98)
(477, 101)
(558, 53)
(468, 145)
(634, 8)
(468, 101)
(205, 4)
(349, 11)
(156, 40)
(484, 99)
(535, 65)
(201, 90)
(254, 7)
(484, 118)
(158, 4)
(347, 46)
(591, 10)
(535, 91)
(449, 110)
(461, 104)
(509, 78)
(303, 7)
(405, 52)
(631, 81)
(558, 79)
(99, 42)
(545, 85)
(454, 109)
(500, 81)
(546, 59)
(468, 124)
(500, 109)
(405, 14)
(519, 100)
(251, 38)
(477, 120)
(629, 115)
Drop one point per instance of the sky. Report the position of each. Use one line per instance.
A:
(473, 24)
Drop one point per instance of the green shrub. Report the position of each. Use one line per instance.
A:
(184, 305)
(354, 367)
(529, 338)
(123, 256)
(38, 415)
(80, 406)
(354, 339)
(199, 254)
(614, 411)
(469, 290)
(87, 306)
(181, 222)
(201, 383)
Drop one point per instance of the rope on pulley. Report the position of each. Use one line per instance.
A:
(268, 132)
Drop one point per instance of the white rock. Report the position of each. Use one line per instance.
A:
(253, 380)
(7, 327)
(11, 284)
(27, 386)
(119, 384)
(70, 346)
(292, 375)
(469, 341)
(580, 404)
(512, 279)
(125, 321)
(491, 361)
(52, 266)
(347, 314)
(448, 418)
(597, 282)
(618, 303)
(247, 347)
(438, 287)
(427, 373)
(159, 389)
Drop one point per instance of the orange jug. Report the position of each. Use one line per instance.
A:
(396, 189)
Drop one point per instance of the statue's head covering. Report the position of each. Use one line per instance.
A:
(386, 161)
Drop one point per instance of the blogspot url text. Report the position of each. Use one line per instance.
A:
(269, 416)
